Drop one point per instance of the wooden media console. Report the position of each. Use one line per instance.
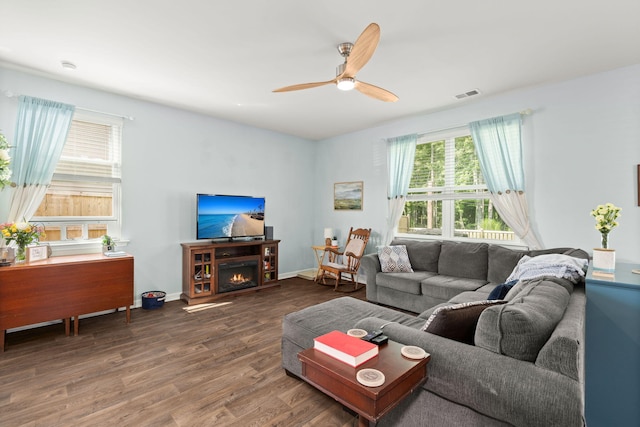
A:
(214, 270)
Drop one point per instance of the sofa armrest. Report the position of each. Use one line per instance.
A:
(498, 386)
(370, 263)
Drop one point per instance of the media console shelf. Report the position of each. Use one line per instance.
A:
(214, 270)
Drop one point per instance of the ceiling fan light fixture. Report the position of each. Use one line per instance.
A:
(346, 83)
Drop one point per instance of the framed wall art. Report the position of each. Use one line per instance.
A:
(347, 196)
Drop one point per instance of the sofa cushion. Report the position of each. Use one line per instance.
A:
(561, 352)
(463, 259)
(423, 255)
(403, 282)
(446, 287)
(457, 321)
(394, 259)
(302, 326)
(502, 261)
(521, 327)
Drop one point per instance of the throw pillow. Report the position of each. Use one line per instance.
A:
(458, 321)
(500, 291)
(394, 259)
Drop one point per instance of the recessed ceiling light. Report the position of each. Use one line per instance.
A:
(68, 65)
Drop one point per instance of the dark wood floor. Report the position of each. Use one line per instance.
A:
(219, 366)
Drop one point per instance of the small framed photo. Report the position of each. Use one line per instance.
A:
(37, 253)
(347, 196)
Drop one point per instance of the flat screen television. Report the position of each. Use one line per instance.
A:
(229, 217)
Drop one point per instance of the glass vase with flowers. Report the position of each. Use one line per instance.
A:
(604, 258)
(23, 234)
(606, 216)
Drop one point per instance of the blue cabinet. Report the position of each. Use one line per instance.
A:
(612, 362)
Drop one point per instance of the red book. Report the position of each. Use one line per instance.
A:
(347, 349)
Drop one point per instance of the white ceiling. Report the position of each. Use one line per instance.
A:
(224, 58)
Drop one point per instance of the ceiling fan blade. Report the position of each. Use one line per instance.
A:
(375, 92)
(362, 50)
(304, 86)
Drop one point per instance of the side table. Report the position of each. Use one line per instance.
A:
(338, 380)
(320, 252)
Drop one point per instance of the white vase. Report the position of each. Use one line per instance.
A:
(604, 259)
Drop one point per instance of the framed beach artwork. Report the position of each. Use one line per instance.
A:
(347, 196)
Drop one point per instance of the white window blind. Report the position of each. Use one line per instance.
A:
(90, 152)
(83, 199)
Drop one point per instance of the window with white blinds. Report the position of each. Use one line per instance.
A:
(83, 200)
(448, 196)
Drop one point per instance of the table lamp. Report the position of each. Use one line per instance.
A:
(328, 235)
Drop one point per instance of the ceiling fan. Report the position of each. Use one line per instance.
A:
(356, 55)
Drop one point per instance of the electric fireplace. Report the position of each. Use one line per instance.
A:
(235, 275)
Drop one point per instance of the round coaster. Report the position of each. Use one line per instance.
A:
(370, 377)
(358, 333)
(413, 352)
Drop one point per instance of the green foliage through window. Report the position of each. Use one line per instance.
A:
(448, 196)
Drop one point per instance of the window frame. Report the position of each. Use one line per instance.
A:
(449, 193)
(113, 222)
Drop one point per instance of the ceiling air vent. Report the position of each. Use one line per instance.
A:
(463, 95)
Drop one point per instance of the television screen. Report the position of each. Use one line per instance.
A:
(230, 217)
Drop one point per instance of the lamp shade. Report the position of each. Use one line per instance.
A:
(328, 233)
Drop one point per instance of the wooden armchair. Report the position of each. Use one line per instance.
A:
(346, 263)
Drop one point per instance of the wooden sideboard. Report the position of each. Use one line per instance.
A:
(63, 287)
(203, 263)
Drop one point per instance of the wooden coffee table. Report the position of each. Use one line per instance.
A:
(338, 380)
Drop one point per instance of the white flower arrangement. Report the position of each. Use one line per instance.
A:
(5, 160)
(605, 216)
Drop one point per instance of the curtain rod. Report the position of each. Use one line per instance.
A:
(524, 112)
(10, 94)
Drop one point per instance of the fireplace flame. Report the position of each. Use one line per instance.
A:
(237, 279)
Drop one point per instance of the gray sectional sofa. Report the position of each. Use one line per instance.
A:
(522, 364)
(442, 270)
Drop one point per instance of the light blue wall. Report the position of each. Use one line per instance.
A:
(582, 145)
(582, 148)
(169, 155)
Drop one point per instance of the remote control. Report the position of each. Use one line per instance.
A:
(379, 340)
(371, 335)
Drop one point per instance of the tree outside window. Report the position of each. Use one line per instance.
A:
(448, 197)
